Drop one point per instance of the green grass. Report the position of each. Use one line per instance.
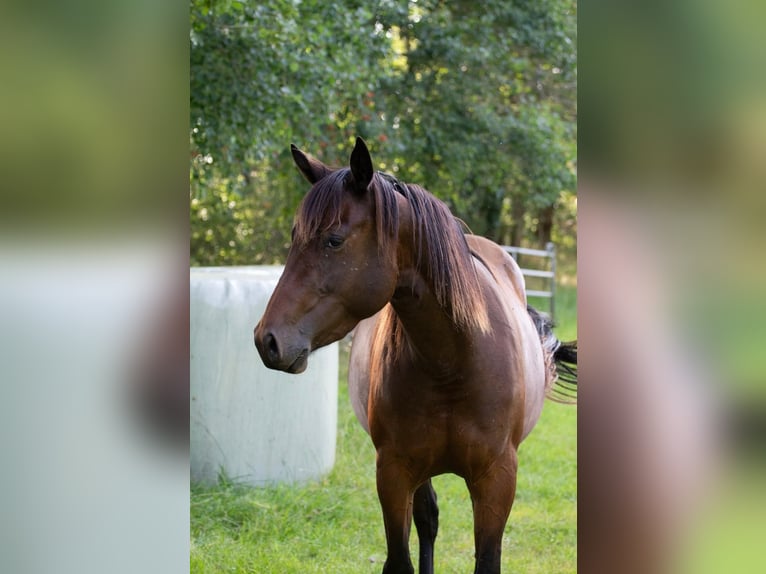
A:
(335, 525)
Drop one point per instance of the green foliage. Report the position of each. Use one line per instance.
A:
(242, 218)
(478, 106)
(265, 71)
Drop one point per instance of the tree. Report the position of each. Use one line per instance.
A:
(488, 116)
(263, 76)
(485, 120)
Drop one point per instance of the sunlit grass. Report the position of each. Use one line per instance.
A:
(335, 525)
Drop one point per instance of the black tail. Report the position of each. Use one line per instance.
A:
(561, 359)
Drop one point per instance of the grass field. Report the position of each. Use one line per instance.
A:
(335, 525)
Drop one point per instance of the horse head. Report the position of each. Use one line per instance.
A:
(342, 264)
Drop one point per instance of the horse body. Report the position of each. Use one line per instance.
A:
(448, 371)
(510, 355)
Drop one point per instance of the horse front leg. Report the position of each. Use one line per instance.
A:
(492, 495)
(395, 491)
(426, 514)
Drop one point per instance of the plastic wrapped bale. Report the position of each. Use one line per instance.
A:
(248, 423)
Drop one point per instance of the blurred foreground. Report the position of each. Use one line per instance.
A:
(94, 287)
(672, 418)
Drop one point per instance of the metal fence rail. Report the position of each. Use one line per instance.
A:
(549, 274)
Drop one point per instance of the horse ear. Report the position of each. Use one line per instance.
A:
(311, 168)
(361, 165)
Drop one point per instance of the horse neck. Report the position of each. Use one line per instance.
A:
(433, 339)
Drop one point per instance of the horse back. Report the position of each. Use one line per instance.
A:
(502, 266)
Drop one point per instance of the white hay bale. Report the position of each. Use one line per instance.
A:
(255, 425)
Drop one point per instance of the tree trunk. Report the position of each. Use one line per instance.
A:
(492, 207)
(517, 218)
(544, 225)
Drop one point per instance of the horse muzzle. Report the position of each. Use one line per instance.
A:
(279, 353)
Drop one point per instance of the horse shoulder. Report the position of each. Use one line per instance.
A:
(359, 368)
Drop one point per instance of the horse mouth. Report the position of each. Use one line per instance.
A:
(299, 364)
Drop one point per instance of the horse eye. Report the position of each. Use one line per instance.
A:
(334, 241)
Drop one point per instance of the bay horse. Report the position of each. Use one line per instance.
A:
(449, 366)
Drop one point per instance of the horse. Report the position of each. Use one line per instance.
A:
(449, 366)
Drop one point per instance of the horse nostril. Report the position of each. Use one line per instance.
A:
(271, 347)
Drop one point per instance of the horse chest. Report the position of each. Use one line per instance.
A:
(440, 426)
